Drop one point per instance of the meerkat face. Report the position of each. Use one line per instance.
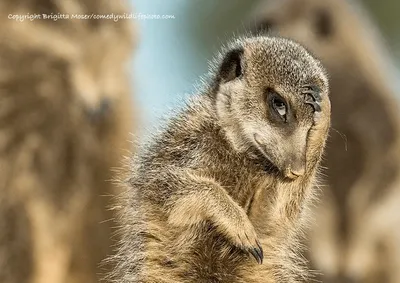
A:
(270, 94)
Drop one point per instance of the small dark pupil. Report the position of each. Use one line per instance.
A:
(279, 104)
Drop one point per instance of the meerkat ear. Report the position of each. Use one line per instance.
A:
(230, 69)
(231, 66)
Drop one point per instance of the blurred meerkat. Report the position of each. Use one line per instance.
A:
(65, 118)
(231, 176)
(356, 223)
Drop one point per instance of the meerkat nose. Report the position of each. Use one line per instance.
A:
(297, 173)
(294, 172)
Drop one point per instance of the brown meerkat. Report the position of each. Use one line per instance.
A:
(65, 119)
(355, 223)
(231, 176)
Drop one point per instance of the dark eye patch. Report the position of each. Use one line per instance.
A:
(312, 96)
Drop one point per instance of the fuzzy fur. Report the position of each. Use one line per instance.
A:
(201, 195)
(356, 223)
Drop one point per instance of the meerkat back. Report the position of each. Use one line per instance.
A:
(65, 118)
(363, 149)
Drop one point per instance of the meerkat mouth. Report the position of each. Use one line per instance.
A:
(269, 166)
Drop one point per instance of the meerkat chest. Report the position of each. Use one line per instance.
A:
(258, 191)
(253, 192)
(244, 186)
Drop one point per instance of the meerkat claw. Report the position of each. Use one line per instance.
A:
(261, 251)
(315, 96)
(311, 95)
(315, 105)
(255, 253)
(314, 91)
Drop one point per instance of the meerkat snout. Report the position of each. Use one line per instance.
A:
(296, 162)
(296, 169)
(293, 159)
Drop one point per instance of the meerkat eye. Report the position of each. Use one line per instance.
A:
(277, 104)
(280, 107)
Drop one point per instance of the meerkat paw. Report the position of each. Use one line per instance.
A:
(312, 96)
(243, 235)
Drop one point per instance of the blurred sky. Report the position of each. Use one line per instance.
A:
(173, 54)
(162, 70)
(169, 60)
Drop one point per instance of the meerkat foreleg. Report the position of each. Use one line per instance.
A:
(204, 199)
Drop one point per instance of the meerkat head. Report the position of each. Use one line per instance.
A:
(269, 94)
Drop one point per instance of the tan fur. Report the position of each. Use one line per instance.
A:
(65, 118)
(211, 190)
(355, 236)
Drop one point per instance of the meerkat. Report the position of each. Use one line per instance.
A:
(221, 194)
(65, 122)
(355, 223)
